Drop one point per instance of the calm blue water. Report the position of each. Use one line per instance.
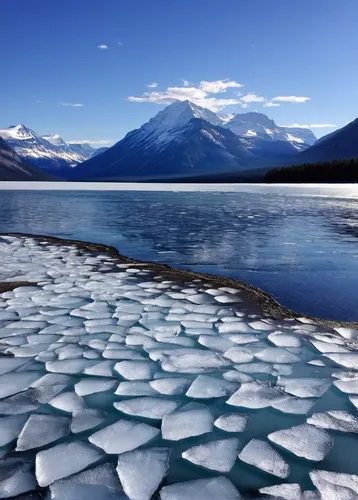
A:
(297, 243)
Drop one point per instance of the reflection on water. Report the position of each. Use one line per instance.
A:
(298, 246)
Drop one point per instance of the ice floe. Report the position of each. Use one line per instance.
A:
(63, 460)
(337, 420)
(201, 489)
(148, 407)
(232, 422)
(41, 430)
(141, 471)
(123, 436)
(286, 491)
(304, 440)
(190, 420)
(335, 486)
(262, 455)
(217, 455)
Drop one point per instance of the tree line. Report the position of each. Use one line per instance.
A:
(322, 172)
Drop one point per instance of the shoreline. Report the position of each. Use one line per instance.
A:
(259, 299)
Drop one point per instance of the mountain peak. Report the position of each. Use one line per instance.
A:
(55, 140)
(176, 116)
(17, 132)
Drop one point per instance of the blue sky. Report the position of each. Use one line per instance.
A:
(296, 62)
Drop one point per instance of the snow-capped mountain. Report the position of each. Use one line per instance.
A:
(258, 126)
(12, 168)
(183, 140)
(49, 152)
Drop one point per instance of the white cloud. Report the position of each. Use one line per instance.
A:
(102, 142)
(312, 125)
(120, 43)
(270, 104)
(290, 98)
(39, 101)
(218, 86)
(249, 98)
(71, 104)
(204, 94)
(103, 47)
(199, 95)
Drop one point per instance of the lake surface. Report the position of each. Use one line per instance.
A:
(298, 243)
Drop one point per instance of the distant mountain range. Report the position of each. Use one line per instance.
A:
(186, 141)
(50, 153)
(13, 168)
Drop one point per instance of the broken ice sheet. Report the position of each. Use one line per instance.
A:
(255, 395)
(10, 428)
(41, 430)
(16, 477)
(335, 485)
(219, 455)
(63, 460)
(201, 489)
(206, 387)
(98, 483)
(190, 420)
(86, 418)
(141, 471)
(232, 422)
(262, 455)
(337, 420)
(148, 407)
(304, 441)
(285, 491)
(123, 435)
(304, 387)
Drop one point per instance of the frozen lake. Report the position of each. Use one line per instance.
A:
(298, 243)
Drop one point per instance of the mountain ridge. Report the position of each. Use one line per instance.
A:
(50, 153)
(13, 168)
